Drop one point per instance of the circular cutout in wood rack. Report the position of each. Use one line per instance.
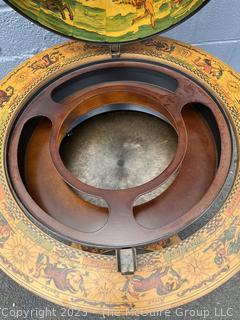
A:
(200, 104)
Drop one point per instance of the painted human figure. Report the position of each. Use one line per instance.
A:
(57, 6)
(149, 10)
(207, 66)
(175, 3)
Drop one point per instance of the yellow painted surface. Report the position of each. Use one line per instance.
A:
(108, 20)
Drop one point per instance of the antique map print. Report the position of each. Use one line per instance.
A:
(107, 20)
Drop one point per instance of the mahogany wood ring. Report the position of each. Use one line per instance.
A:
(116, 233)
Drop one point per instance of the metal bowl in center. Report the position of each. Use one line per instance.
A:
(116, 150)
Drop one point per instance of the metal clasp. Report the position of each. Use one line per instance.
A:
(126, 260)
(115, 50)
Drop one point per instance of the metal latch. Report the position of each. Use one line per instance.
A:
(115, 50)
(126, 260)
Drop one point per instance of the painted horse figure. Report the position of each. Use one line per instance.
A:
(148, 6)
(6, 95)
(57, 6)
(138, 284)
(59, 275)
(209, 67)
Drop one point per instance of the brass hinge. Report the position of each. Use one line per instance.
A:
(115, 50)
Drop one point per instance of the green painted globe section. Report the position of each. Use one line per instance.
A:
(107, 21)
